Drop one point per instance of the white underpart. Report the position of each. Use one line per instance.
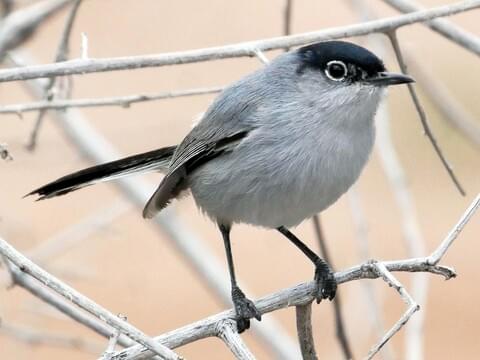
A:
(296, 163)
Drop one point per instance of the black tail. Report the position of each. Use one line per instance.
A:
(150, 161)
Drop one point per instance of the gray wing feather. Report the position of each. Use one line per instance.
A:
(227, 122)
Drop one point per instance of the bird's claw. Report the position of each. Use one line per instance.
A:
(245, 310)
(325, 283)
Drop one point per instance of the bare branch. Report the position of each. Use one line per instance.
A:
(123, 101)
(18, 26)
(227, 331)
(28, 267)
(297, 295)
(412, 307)
(112, 342)
(303, 294)
(36, 289)
(463, 38)
(445, 101)
(84, 66)
(337, 304)
(423, 117)
(62, 55)
(437, 255)
(304, 331)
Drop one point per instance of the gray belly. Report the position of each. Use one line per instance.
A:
(247, 186)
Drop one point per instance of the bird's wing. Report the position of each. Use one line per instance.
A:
(227, 122)
(192, 153)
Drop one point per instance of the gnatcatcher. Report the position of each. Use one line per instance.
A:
(274, 148)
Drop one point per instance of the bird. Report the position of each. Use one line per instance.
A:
(276, 147)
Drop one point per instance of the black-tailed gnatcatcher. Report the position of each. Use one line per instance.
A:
(274, 148)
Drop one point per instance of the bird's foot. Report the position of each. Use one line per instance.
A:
(244, 308)
(325, 283)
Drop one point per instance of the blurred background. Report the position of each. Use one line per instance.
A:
(130, 267)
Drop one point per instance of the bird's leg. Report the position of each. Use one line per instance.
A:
(326, 285)
(244, 307)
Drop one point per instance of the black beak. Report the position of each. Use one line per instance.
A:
(388, 78)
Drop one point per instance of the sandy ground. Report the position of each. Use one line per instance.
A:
(131, 268)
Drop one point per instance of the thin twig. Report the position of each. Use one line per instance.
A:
(304, 331)
(337, 305)
(30, 268)
(62, 55)
(261, 56)
(421, 113)
(463, 38)
(412, 308)
(227, 331)
(437, 255)
(112, 342)
(122, 101)
(445, 101)
(84, 66)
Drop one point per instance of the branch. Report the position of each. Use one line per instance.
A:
(445, 101)
(84, 66)
(36, 289)
(437, 255)
(444, 27)
(227, 331)
(303, 293)
(423, 116)
(304, 331)
(28, 267)
(337, 304)
(62, 55)
(412, 307)
(123, 101)
(18, 26)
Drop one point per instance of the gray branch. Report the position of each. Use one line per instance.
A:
(454, 33)
(227, 331)
(304, 331)
(30, 268)
(412, 307)
(84, 66)
(36, 289)
(123, 101)
(302, 294)
(18, 26)
(423, 116)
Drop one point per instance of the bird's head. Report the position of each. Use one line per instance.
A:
(341, 76)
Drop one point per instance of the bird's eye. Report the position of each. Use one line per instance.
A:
(336, 70)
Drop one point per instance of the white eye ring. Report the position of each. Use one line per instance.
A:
(336, 78)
